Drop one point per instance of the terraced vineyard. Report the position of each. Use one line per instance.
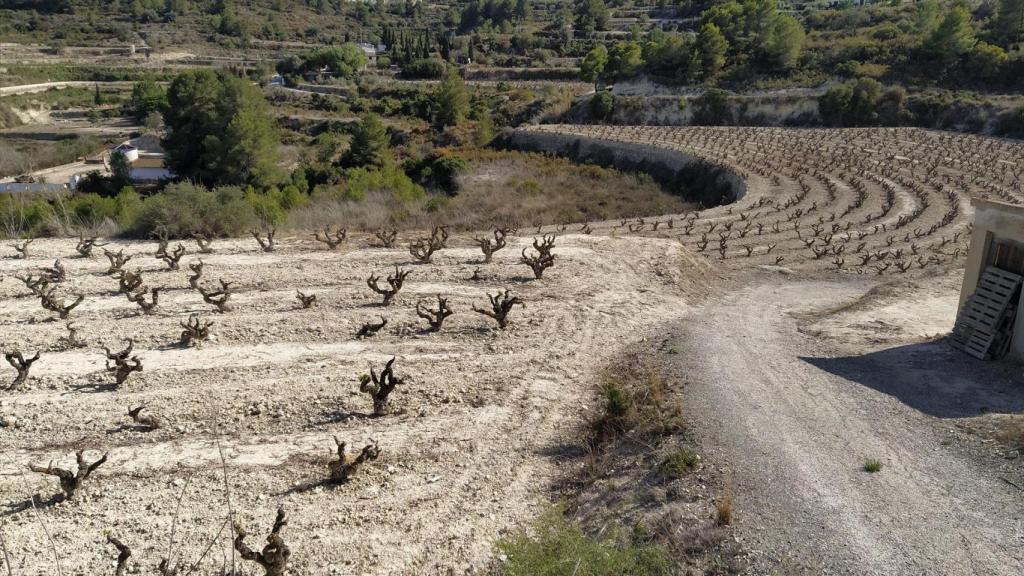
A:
(863, 201)
(462, 449)
(246, 422)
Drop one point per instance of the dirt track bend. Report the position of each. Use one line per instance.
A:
(796, 437)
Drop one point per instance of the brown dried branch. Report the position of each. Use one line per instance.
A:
(345, 466)
(172, 258)
(434, 317)
(489, 247)
(128, 281)
(56, 273)
(22, 365)
(123, 554)
(22, 249)
(70, 482)
(218, 298)
(85, 245)
(197, 273)
(56, 303)
(370, 328)
(139, 297)
(204, 242)
(501, 305)
(379, 387)
(305, 300)
(331, 239)
(544, 259)
(117, 261)
(267, 245)
(196, 331)
(36, 285)
(395, 283)
(161, 247)
(71, 340)
(274, 556)
(423, 249)
(123, 362)
(147, 419)
(387, 237)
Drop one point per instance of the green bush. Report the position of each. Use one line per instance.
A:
(19, 217)
(712, 108)
(602, 105)
(438, 170)
(426, 68)
(680, 462)
(91, 210)
(184, 209)
(361, 181)
(555, 547)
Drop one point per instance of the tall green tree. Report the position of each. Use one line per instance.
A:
(1009, 22)
(451, 101)
(246, 151)
(927, 16)
(220, 131)
(624, 61)
(953, 37)
(711, 50)
(592, 15)
(785, 41)
(369, 145)
(147, 97)
(593, 64)
(120, 171)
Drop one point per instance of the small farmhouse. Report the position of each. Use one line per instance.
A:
(150, 168)
(130, 151)
(987, 325)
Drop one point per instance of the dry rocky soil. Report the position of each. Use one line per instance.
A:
(797, 370)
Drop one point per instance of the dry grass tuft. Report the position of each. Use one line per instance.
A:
(724, 510)
(637, 402)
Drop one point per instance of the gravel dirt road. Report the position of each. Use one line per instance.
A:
(796, 416)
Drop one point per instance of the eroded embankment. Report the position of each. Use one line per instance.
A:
(694, 177)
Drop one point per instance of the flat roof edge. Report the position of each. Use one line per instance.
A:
(1004, 206)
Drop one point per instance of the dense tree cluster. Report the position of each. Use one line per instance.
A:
(752, 33)
(341, 61)
(220, 131)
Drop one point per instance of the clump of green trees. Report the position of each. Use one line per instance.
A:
(751, 35)
(340, 61)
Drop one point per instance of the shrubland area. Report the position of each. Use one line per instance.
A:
(365, 330)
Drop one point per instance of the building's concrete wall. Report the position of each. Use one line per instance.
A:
(150, 174)
(994, 220)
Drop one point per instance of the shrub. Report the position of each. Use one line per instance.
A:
(91, 210)
(680, 462)
(559, 547)
(871, 465)
(21, 217)
(635, 399)
(712, 108)
(724, 511)
(426, 68)
(266, 206)
(439, 170)
(184, 209)
(602, 105)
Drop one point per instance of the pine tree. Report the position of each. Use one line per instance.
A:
(712, 48)
(369, 146)
(451, 101)
(1009, 23)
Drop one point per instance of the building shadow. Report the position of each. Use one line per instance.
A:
(935, 379)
